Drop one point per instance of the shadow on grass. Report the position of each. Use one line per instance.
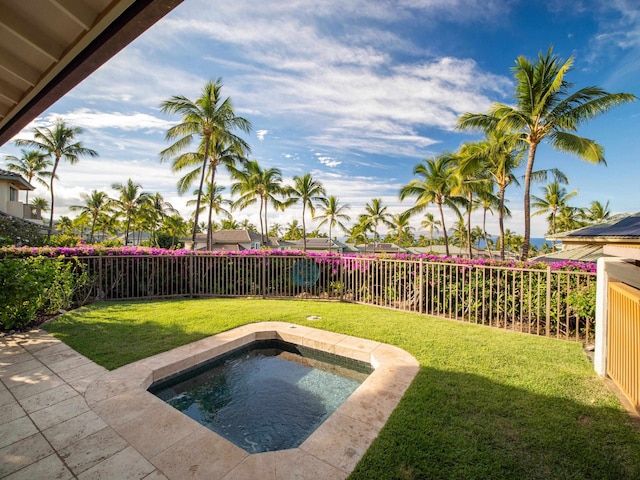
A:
(454, 425)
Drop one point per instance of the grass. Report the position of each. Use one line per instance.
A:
(486, 403)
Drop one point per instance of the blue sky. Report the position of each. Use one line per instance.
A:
(357, 93)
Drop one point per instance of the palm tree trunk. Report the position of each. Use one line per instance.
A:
(330, 238)
(197, 213)
(211, 199)
(304, 229)
(527, 200)
(53, 176)
(501, 221)
(444, 229)
(484, 231)
(266, 225)
(470, 200)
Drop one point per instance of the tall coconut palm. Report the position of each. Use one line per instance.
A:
(375, 213)
(214, 200)
(255, 184)
(333, 214)
(430, 223)
(597, 212)
(154, 210)
(545, 109)
(307, 191)
(435, 185)
(129, 201)
(32, 165)
(95, 204)
(401, 228)
(58, 143)
(555, 197)
(213, 121)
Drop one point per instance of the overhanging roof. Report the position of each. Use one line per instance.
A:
(47, 47)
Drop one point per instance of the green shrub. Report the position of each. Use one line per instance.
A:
(35, 285)
(64, 240)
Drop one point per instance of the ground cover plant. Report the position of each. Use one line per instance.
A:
(486, 403)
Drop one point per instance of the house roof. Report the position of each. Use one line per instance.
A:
(585, 253)
(625, 228)
(47, 47)
(16, 179)
(235, 236)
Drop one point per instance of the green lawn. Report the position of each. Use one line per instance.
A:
(486, 403)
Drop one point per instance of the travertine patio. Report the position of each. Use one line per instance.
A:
(63, 416)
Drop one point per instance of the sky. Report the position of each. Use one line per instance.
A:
(357, 93)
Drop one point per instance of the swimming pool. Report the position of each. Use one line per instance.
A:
(267, 396)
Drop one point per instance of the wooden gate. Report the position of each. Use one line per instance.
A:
(623, 341)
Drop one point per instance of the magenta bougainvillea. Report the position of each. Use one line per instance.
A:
(97, 250)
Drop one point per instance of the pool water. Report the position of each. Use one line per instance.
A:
(267, 396)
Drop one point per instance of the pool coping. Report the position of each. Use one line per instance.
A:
(182, 448)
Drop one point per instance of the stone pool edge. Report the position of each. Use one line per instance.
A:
(181, 448)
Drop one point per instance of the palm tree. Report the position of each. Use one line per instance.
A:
(129, 201)
(215, 202)
(332, 214)
(255, 184)
(435, 186)
(307, 191)
(175, 227)
(375, 214)
(430, 223)
(555, 197)
(95, 204)
(358, 231)
(32, 165)
(40, 203)
(212, 120)
(400, 227)
(58, 143)
(64, 225)
(275, 230)
(596, 213)
(544, 109)
(154, 210)
(293, 232)
(229, 224)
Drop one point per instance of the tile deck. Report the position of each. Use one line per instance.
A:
(64, 417)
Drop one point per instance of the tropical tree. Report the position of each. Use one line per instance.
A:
(333, 214)
(153, 212)
(129, 201)
(309, 192)
(596, 213)
(375, 214)
(276, 230)
(435, 185)
(95, 204)
(57, 143)
(293, 230)
(175, 227)
(401, 228)
(215, 202)
(358, 231)
(245, 224)
(555, 197)
(64, 225)
(32, 165)
(431, 224)
(229, 224)
(257, 185)
(40, 203)
(544, 109)
(213, 121)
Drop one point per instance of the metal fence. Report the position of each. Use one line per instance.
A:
(536, 301)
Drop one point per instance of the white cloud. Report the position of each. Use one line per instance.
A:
(261, 134)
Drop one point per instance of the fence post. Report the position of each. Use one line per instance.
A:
(548, 303)
(192, 274)
(264, 276)
(342, 262)
(421, 294)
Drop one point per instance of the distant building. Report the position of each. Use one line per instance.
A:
(231, 241)
(11, 184)
(587, 244)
